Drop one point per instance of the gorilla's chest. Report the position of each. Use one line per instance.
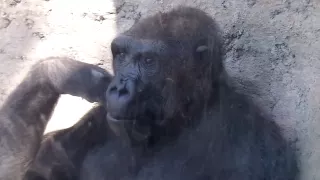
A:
(195, 155)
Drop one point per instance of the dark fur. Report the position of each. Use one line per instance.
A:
(62, 152)
(199, 127)
(28, 108)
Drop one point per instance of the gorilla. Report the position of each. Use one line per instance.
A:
(168, 113)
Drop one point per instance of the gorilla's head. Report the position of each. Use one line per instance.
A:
(166, 69)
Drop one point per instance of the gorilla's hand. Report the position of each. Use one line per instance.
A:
(76, 78)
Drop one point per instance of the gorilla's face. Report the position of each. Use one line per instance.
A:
(139, 90)
(161, 78)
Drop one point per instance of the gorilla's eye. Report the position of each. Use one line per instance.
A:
(121, 54)
(148, 60)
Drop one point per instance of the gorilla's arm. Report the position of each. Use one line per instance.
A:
(62, 152)
(26, 111)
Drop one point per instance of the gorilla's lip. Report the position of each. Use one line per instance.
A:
(124, 128)
(111, 118)
(118, 126)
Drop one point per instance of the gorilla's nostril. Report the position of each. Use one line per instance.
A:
(123, 92)
(112, 89)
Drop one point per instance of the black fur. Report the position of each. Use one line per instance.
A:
(196, 125)
(28, 108)
(173, 115)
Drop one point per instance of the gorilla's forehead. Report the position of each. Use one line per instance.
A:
(141, 45)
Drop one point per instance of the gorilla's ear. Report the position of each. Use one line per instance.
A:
(201, 48)
(200, 52)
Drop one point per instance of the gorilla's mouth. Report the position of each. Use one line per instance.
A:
(129, 128)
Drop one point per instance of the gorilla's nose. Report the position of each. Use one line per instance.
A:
(119, 94)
